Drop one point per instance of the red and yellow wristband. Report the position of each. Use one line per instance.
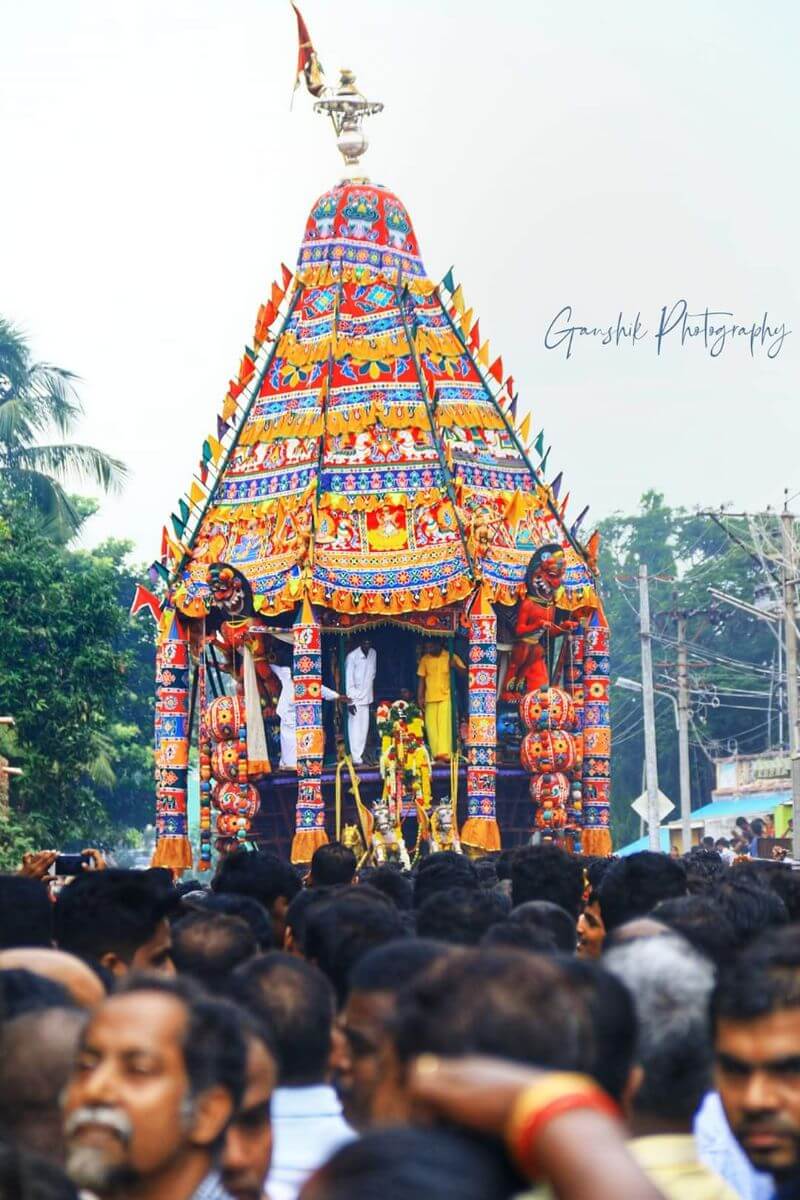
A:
(553, 1096)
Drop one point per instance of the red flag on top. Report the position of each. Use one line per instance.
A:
(277, 295)
(509, 385)
(246, 369)
(287, 276)
(164, 544)
(475, 335)
(308, 64)
(142, 598)
(496, 370)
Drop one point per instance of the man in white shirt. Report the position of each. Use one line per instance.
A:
(285, 708)
(296, 1002)
(359, 674)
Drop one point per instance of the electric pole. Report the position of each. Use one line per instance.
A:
(790, 634)
(648, 705)
(683, 736)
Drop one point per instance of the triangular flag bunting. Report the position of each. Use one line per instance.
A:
(512, 408)
(144, 598)
(496, 370)
(222, 427)
(177, 525)
(543, 464)
(286, 275)
(523, 433)
(216, 448)
(196, 494)
(515, 510)
(277, 295)
(555, 486)
(466, 322)
(593, 548)
(164, 539)
(448, 281)
(509, 385)
(578, 521)
(247, 369)
(235, 389)
(229, 407)
(538, 445)
(203, 469)
(475, 335)
(159, 570)
(185, 511)
(207, 455)
(564, 504)
(483, 354)
(458, 300)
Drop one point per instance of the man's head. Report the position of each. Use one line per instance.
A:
(547, 873)
(343, 928)
(359, 1057)
(209, 946)
(159, 1072)
(670, 984)
(432, 646)
(365, 645)
(634, 885)
(247, 1150)
(37, 1051)
(296, 1003)
(700, 920)
(231, 905)
(263, 876)
(460, 917)
(542, 914)
(755, 1014)
(751, 907)
(25, 912)
(332, 864)
(441, 873)
(80, 981)
(498, 1002)
(613, 1017)
(117, 918)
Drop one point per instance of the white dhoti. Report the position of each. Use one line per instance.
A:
(287, 712)
(357, 731)
(359, 673)
(288, 742)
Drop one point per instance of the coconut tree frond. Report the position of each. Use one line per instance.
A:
(14, 359)
(56, 401)
(16, 428)
(59, 516)
(65, 461)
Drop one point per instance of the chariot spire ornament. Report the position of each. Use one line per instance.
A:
(347, 108)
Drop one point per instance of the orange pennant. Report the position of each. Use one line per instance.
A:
(287, 276)
(496, 370)
(277, 295)
(475, 335)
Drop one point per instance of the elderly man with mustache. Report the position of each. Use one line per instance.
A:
(160, 1072)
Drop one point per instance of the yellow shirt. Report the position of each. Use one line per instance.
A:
(435, 670)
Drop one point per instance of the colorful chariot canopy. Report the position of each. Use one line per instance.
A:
(371, 465)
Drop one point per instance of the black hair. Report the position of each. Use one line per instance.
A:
(633, 886)
(112, 910)
(442, 872)
(764, 977)
(517, 935)
(344, 927)
(296, 1002)
(460, 917)
(704, 867)
(552, 917)
(208, 946)
(256, 873)
(786, 883)
(427, 1164)
(246, 907)
(487, 872)
(502, 864)
(749, 906)
(214, 1050)
(547, 873)
(595, 869)
(25, 1176)
(390, 967)
(613, 1016)
(701, 921)
(22, 991)
(26, 914)
(758, 826)
(393, 883)
(331, 864)
(498, 1002)
(298, 910)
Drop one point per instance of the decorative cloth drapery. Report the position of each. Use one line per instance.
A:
(307, 673)
(480, 829)
(173, 848)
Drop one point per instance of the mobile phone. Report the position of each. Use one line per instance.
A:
(70, 864)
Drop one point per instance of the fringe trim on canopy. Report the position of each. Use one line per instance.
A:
(596, 842)
(399, 601)
(481, 835)
(172, 852)
(468, 416)
(305, 842)
(324, 274)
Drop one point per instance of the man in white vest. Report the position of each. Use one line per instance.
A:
(359, 675)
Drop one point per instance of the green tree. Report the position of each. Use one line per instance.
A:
(76, 674)
(685, 553)
(38, 401)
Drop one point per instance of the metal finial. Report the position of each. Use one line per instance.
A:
(347, 108)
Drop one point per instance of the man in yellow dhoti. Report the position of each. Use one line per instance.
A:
(434, 696)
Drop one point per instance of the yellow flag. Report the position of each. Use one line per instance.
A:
(483, 354)
(458, 300)
(524, 430)
(196, 493)
(216, 448)
(515, 510)
(466, 322)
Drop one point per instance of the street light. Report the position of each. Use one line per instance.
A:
(633, 685)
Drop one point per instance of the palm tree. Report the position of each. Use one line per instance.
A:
(38, 400)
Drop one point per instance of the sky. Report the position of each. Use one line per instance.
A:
(616, 157)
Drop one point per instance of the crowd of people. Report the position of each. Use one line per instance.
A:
(529, 1024)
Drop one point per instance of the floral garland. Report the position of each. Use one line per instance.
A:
(405, 762)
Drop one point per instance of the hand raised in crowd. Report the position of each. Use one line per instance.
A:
(36, 863)
(98, 863)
